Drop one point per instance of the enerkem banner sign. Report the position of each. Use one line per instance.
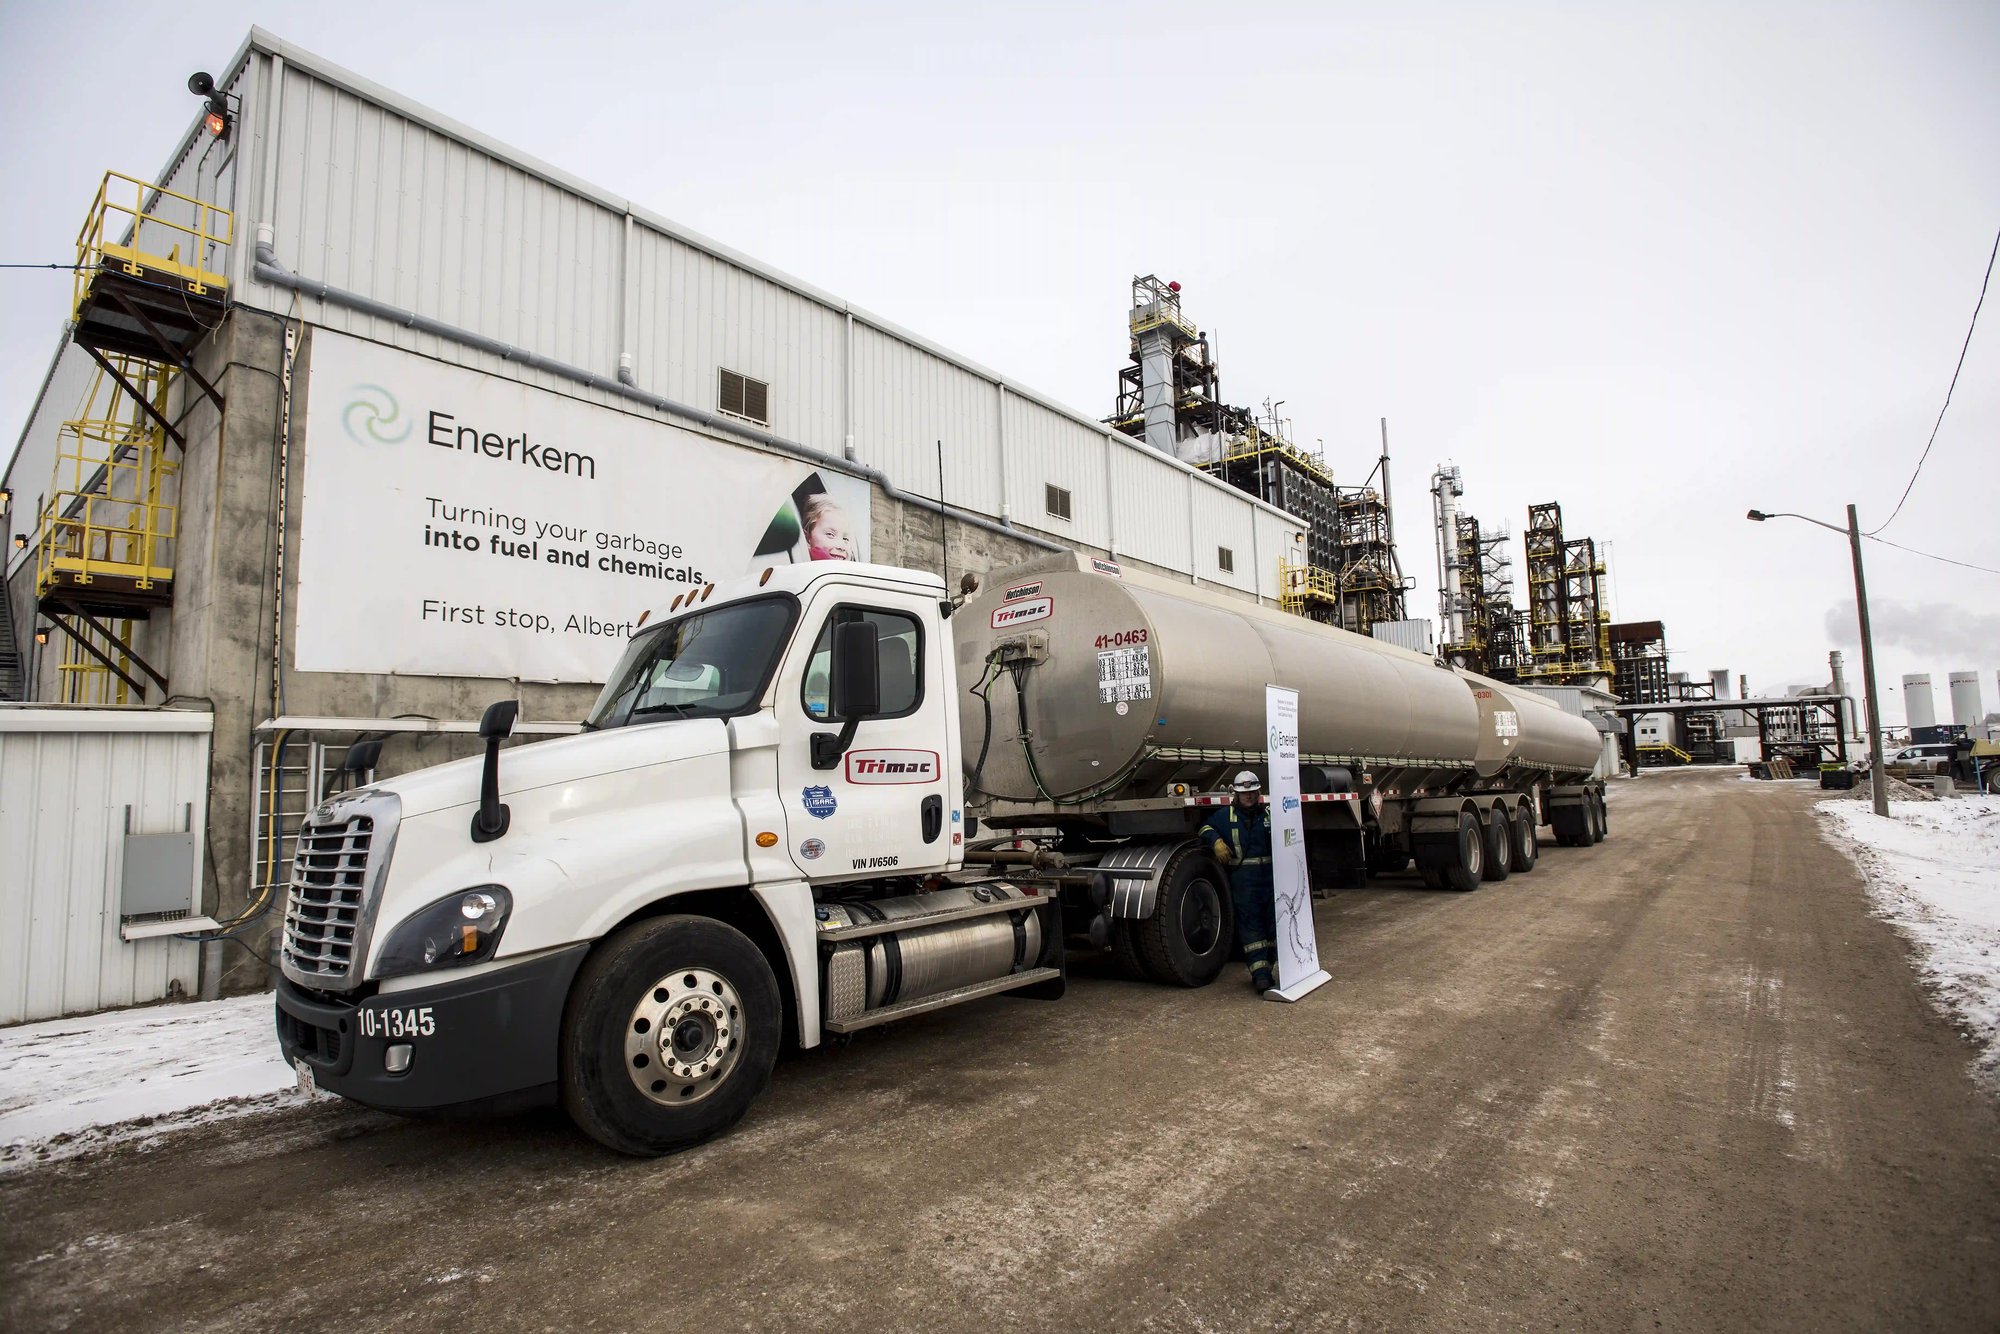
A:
(459, 524)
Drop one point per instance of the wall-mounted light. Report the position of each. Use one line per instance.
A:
(218, 117)
(6, 497)
(20, 541)
(41, 636)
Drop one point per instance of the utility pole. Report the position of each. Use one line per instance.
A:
(1878, 777)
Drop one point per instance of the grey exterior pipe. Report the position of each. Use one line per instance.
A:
(268, 269)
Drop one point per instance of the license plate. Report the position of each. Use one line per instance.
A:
(308, 1085)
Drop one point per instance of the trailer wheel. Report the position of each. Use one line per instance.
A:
(1593, 815)
(1455, 862)
(1603, 818)
(669, 1035)
(1498, 854)
(1186, 941)
(1125, 949)
(1527, 840)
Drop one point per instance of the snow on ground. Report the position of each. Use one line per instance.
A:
(141, 1071)
(1933, 869)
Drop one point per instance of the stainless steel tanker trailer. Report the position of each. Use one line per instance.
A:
(1108, 708)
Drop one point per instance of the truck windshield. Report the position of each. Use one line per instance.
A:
(709, 665)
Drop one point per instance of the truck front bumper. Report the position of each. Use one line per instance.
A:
(473, 1040)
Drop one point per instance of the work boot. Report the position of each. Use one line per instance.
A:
(1262, 981)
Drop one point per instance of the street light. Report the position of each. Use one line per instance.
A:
(1877, 778)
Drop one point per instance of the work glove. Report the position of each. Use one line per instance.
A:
(1222, 851)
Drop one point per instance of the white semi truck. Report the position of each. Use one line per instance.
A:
(828, 796)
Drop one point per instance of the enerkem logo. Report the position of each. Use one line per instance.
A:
(892, 766)
(371, 417)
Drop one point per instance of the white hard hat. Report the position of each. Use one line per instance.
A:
(1247, 782)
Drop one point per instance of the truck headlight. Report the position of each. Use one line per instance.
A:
(458, 929)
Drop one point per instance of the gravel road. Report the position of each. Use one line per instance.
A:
(1680, 1080)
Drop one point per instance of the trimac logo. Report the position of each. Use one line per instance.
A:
(373, 417)
(892, 766)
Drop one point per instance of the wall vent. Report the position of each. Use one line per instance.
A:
(738, 395)
(1057, 500)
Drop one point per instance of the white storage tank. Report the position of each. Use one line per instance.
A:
(1919, 708)
(1966, 709)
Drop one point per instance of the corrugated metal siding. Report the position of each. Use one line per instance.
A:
(1152, 508)
(1276, 540)
(387, 199)
(1222, 520)
(63, 796)
(1043, 449)
(696, 314)
(907, 400)
(28, 476)
(376, 203)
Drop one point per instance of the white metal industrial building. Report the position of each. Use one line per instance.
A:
(349, 383)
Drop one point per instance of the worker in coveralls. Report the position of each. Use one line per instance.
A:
(1240, 836)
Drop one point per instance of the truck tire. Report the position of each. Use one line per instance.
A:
(1527, 840)
(1603, 818)
(1187, 939)
(1125, 949)
(1463, 862)
(1593, 815)
(669, 1035)
(1498, 854)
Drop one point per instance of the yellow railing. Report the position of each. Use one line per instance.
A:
(110, 510)
(87, 537)
(147, 235)
(82, 678)
(1259, 441)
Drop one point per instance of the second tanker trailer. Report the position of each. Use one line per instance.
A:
(1108, 706)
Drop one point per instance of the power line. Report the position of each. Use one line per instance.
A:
(71, 267)
(1948, 391)
(1987, 569)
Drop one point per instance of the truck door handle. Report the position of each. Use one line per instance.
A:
(933, 809)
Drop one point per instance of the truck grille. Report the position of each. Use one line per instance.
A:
(329, 891)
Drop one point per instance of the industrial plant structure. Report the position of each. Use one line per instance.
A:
(1345, 570)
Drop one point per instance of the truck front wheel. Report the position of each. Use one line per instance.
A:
(670, 1034)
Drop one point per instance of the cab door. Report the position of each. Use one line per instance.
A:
(887, 806)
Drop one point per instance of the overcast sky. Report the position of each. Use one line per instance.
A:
(1661, 263)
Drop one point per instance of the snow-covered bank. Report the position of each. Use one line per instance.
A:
(1933, 869)
(129, 1069)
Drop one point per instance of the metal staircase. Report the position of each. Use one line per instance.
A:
(148, 291)
(13, 681)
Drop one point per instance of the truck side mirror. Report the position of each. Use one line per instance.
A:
(495, 725)
(855, 690)
(498, 720)
(856, 685)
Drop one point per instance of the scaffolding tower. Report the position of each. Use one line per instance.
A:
(1639, 657)
(1475, 578)
(1569, 624)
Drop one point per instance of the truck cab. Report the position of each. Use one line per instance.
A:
(755, 839)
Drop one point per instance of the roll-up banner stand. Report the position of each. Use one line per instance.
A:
(1298, 948)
